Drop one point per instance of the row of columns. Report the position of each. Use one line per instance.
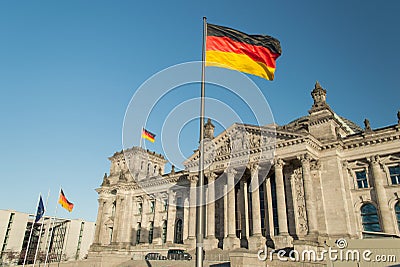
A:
(124, 208)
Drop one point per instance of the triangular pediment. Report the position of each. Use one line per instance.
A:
(242, 139)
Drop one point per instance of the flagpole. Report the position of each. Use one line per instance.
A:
(30, 234)
(41, 228)
(141, 133)
(52, 230)
(200, 218)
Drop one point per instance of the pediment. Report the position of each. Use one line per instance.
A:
(242, 139)
(358, 164)
(390, 159)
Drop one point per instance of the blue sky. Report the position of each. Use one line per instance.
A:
(68, 70)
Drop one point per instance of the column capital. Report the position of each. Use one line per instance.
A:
(193, 179)
(254, 167)
(316, 165)
(212, 176)
(231, 171)
(375, 159)
(279, 163)
(171, 193)
(305, 159)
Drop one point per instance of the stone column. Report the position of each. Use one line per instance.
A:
(171, 217)
(246, 209)
(125, 237)
(270, 215)
(117, 216)
(243, 207)
(231, 241)
(381, 197)
(158, 222)
(256, 240)
(211, 241)
(192, 211)
(311, 208)
(99, 222)
(242, 202)
(280, 197)
(144, 232)
(225, 211)
(186, 218)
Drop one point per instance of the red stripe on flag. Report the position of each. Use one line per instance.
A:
(256, 53)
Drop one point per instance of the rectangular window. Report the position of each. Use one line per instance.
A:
(152, 203)
(179, 204)
(165, 204)
(361, 177)
(140, 208)
(139, 229)
(395, 174)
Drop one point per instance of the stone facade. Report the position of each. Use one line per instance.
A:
(318, 178)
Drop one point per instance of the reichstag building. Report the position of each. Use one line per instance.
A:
(326, 179)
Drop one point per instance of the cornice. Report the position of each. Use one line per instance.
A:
(148, 183)
(376, 137)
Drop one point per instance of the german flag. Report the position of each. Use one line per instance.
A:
(64, 202)
(232, 49)
(148, 135)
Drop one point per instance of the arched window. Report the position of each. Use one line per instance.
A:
(397, 210)
(151, 229)
(370, 218)
(179, 232)
(164, 232)
(155, 169)
(139, 229)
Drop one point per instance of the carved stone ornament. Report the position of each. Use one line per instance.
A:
(193, 179)
(231, 171)
(367, 125)
(173, 169)
(305, 159)
(345, 165)
(122, 177)
(279, 163)
(398, 117)
(212, 176)
(254, 167)
(319, 96)
(106, 181)
(375, 159)
(315, 165)
(300, 201)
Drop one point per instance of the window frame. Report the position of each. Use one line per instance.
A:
(366, 179)
(397, 175)
(364, 215)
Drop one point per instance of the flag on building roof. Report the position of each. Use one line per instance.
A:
(64, 202)
(232, 49)
(148, 135)
(40, 210)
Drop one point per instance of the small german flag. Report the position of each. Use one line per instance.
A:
(232, 49)
(148, 135)
(64, 202)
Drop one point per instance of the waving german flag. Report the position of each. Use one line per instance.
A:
(64, 202)
(253, 54)
(148, 135)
